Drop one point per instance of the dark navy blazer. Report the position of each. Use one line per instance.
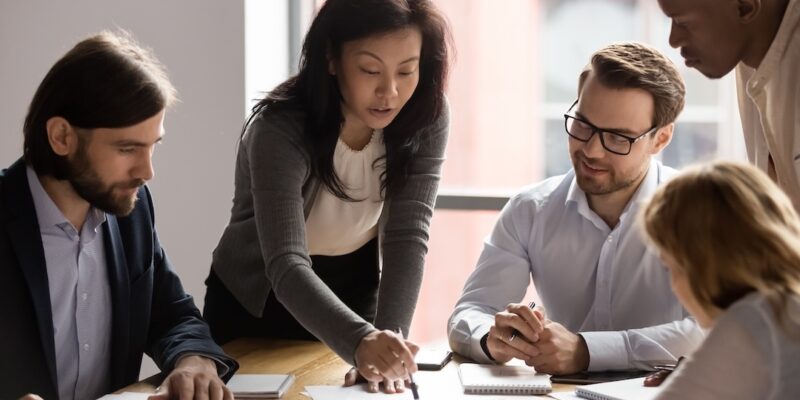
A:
(151, 313)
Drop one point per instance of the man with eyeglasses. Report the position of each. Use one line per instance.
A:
(608, 298)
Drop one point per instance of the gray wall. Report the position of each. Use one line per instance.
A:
(202, 44)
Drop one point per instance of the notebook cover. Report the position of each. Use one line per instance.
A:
(629, 389)
(588, 378)
(502, 379)
(260, 386)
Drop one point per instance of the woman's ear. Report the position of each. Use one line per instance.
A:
(61, 135)
(331, 62)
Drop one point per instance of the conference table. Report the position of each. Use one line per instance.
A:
(312, 363)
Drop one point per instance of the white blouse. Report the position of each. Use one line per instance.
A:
(335, 226)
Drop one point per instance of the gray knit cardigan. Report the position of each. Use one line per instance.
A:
(263, 248)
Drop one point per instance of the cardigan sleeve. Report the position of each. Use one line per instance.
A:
(404, 241)
(279, 168)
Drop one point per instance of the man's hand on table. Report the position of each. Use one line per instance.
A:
(194, 378)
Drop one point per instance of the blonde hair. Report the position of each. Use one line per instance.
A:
(632, 65)
(732, 231)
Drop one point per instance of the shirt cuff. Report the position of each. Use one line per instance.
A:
(607, 351)
(476, 350)
(222, 368)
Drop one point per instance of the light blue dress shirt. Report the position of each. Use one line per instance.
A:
(80, 296)
(604, 283)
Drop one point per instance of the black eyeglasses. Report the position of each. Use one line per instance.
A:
(615, 142)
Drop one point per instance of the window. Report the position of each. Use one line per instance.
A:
(515, 75)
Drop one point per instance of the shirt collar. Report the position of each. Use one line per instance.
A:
(646, 188)
(780, 44)
(48, 214)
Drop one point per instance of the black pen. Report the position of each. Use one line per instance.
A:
(410, 377)
(531, 305)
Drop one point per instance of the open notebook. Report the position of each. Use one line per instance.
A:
(629, 389)
(502, 379)
(260, 386)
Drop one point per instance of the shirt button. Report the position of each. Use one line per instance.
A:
(84, 296)
(610, 238)
(86, 347)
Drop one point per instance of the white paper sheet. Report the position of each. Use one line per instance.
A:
(565, 396)
(436, 385)
(127, 396)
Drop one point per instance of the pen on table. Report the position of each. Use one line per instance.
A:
(410, 377)
(531, 305)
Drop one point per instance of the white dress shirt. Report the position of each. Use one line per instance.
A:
(747, 355)
(604, 283)
(335, 226)
(80, 296)
(769, 105)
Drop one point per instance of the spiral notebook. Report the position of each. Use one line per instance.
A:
(502, 379)
(629, 389)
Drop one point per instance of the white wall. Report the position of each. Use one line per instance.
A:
(202, 44)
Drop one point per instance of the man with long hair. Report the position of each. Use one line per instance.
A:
(86, 287)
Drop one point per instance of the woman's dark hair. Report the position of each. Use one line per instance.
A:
(315, 91)
(105, 81)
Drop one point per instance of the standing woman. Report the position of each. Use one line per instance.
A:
(731, 241)
(336, 178)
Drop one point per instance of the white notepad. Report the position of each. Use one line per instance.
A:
(629, 389)
(502, 379)
(260, 386)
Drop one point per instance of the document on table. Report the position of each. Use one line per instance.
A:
(442, 384)
(127, 396)
(360, 393)
(429, 387)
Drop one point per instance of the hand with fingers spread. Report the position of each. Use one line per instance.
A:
(194, 377)
(514, 333)
(560, 351)
(389, 386)
(380, 358)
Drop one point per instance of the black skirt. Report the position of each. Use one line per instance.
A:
(353, 277)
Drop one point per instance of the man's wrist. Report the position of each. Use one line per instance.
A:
(485, 346)
(213, 364)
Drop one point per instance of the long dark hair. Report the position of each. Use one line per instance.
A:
(315, 91)
(105, 81)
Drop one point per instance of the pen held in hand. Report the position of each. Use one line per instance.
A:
(413, 384)
(514, 334)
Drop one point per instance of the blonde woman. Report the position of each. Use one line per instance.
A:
(731, 241)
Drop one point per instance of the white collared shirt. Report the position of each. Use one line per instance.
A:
(604, 283)
(769, 105)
